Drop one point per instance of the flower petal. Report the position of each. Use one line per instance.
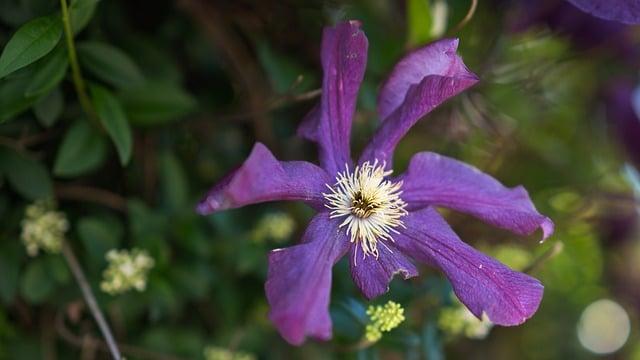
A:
(624, 11)
(263, 178)
(374, 275)
(344, 59)
(419, 83)
(483, 284)
(299, 281)
(432, 179)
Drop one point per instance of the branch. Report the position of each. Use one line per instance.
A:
(91, 300)
(467, 18)
(91, 194)
(81, 341)
(78, 80)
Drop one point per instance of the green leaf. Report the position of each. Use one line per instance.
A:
(27, 176)
(10, 270)
(283, 71)
(83, 149)
(114, 120)
(49, 108)
(13, 100)
(31, 42)
(418, 21)
(175, 190)
(80, 13)
(109, 64)
(99, 235)
(156, 103)
(50, 72)
(36, 283)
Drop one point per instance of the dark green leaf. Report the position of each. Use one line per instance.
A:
(285, 74)
(83, 149)
(32, 41)
(156, 103)
(114, 120)
(10, 270)
(175, 191)
(50, 72)
(27, 176)
(80, 13)
(109, 64)
(13, 100)
(37, 283)
(49, 108)
(99, 235)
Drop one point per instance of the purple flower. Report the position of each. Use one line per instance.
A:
(377, 220)
(624, 11)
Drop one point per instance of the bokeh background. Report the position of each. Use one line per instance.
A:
(197, 82)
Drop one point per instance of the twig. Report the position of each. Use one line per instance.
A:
(81, 341)
(91, 300)
(91, 194)
(544, 257)
(465, 20)
(76, 73)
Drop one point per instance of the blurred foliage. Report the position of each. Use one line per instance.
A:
(172, 94)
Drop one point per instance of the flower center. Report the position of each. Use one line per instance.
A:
(371, 206)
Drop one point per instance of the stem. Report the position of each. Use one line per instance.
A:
(465, 20)
(91, 300)
(78, 80)
(547, 255)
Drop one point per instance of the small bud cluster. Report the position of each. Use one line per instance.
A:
(276, 226)
(459, 321)
(43, 228)
(383, 319)
(127, 270)
(218, 353)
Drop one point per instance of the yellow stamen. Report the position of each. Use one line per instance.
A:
(371, 205)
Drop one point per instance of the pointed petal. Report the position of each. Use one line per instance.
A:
(419, 83)
(299, 282)
(374, 275)
(432, 179)
(483, 284)
(624, 11)
(344, 59)
(263, 178)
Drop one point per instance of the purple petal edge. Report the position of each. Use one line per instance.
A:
(372, 276)
(420, 82)
(299, 282)
(483, 284)
(624, 11)
(435, 180)
(263, 178)
(344, 59)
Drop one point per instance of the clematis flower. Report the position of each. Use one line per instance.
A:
(624, 11)
(377, 220)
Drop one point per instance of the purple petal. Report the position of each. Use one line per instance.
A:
(483, 284)
(299, 282)
(344, 59)
(419, 83)
(374, 275)
(263, 178)
(432, 179)
(624, 11)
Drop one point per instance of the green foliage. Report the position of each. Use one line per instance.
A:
(113, 118)
(82, 150)
(109, 64)
(31, 42)
(28, 176)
